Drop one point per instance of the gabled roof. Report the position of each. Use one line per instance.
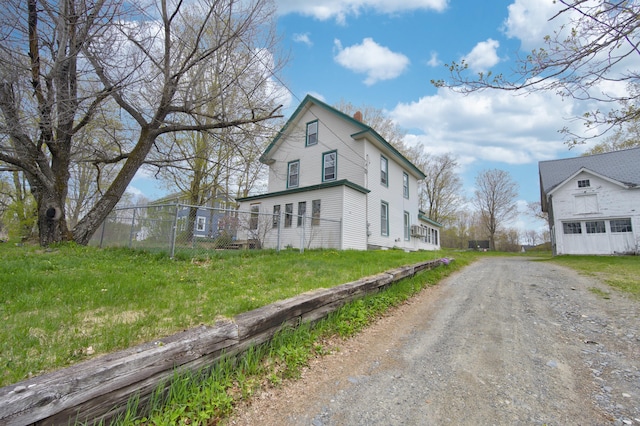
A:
(365, 130)
(620, 166)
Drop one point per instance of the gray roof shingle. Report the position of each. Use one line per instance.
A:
(622, 166)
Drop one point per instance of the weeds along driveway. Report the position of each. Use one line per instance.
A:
(505, 341)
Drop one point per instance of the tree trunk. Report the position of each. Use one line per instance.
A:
(52, 225)
(89, 224)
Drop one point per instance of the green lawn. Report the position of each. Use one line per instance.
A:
(620, 272)
(61, 305)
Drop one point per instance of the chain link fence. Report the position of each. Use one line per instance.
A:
(196, 230)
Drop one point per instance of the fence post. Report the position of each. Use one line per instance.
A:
(174, 231)
(104, 224)
(302, 234)
(133, 223)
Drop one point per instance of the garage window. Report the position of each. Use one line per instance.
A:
(572, 228)
(596, 227)
(621, 225)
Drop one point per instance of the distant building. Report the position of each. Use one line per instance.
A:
(211, 218)
(479, 245)
(593, 202)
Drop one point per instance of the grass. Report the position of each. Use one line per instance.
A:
(65, 304)
(209, 397)
(620, 272)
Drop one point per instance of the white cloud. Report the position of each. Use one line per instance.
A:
(377, 62)
(491, 126)
(434, 61)
(529, 21)
(303, 38)
(483, 56)
(340, 9)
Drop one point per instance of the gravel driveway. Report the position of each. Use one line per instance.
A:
(506, 341)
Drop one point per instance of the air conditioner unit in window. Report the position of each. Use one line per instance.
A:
(417, 231)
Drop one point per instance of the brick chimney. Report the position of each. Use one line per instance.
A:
(358, 116)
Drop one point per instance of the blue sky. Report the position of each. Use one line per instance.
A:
(384, 53)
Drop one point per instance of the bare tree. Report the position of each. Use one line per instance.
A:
(534, 209)
(495, 199)
(596, 47)
(378, 121)
(440, 192)
(60, 61)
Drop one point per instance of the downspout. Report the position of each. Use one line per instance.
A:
(367, 225)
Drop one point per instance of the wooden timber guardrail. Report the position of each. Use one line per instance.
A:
(98, 389)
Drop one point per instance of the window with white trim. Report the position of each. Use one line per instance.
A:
(572, 227)
(293, 174)
(312, 133)
(584, 183)
(620, 225)
(384, 219)
(595, 227)
(201, 223)
(329, 162)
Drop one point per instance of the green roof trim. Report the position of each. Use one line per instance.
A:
(424, 218)
(390, 147)
(325, 185)
(366, 130)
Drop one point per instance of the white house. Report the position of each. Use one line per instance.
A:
(335, 182)
(593, 202)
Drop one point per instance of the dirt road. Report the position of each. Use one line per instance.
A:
(507, 341)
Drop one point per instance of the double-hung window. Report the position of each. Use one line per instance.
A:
(405, 184)
(276, 215)
(201, 223)
(407, 226)
(253, 219)
(312, 133)
(384, 171)
(315, 212)
(384, 219)
(302, 210)
(293, 174)
(329, 161)
(288, 215)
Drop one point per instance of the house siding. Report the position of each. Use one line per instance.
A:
(393, 195)
(326, 234)
(606, 201)
(333, 134)
(354, 226)
(355, 199)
